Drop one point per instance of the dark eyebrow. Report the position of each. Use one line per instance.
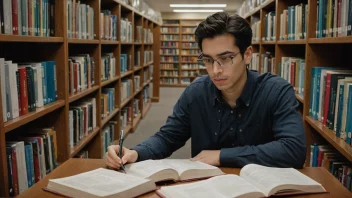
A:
(221, 54)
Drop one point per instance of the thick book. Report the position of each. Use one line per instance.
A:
(101, 182)
(253, 181)
(172, 169)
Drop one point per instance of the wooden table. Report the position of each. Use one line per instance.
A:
(75, 166)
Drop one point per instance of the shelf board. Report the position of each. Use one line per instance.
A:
(83, 142)
(189, 69)
(169, 55)
(24, 119)
(169, 76)
(146, 65)
(109, 42)
(189, 62)
(112, 114)
(146, 108)
(83, 41)
(138, 43)
(268, 42)
(126, 43)
(82, 93)
(106, 82)
(137, 92)
(186, 33)
(126, 74)
(188, 76)
(173, 85)
(165, 47)
(127, 129)
(191, 41)
(171, 25)
(137, 68)
(168, 62)
(169, 69)
(292, 42)
(170, 33)
(299, 98)
(332, 40)
(125, 102)
(34, 39)
(148, 43)
(190, 48)
(191, 55)
(136, 121)
(255, 42)
(340, 145)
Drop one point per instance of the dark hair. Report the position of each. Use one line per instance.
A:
(221, 23)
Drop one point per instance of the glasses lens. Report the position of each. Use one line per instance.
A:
(225, 61)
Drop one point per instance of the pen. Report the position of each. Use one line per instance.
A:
(120, 151)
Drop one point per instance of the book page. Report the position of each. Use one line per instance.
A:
(181, 165)
(145, 168)
(220, 186)
(100, 182)
(267, 178)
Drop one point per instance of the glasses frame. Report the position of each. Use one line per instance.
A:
(200, 59)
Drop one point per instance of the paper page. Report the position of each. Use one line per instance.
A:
(219, 186)
(181, 165)
(267, 178)
(101, 182)
(145, 168)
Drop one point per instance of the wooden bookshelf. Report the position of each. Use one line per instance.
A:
(316, 52)
(183, 24)
(59, 48)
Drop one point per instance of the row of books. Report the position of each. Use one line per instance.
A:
(169, 44)
(189, 59)
(125, 117)
(292, 69)
(30, 158)
(81, 73)
(137, 58)
(249, 5)
(293, 22)
(188, 37)
(137, 82)
(169, 73)
(268, 62)
(125, 63)
(168, 58)
(146, 95)
(190, 66)
(169, 66)
(146, 36)
(188, 30)
(148, 56)
(136, 108)
(27, 17)
(190, 73)
(107, 102)
(80, 20)
(169, 51)
(126, 89)
(171, 37)
(26, 87)
(256, 29)
(143, 7)
(190, 45)
(254, 64)
(108, 136)
(164, 80)
(270, 27)
(82, 120)
(322, 155)
(334, 18)
(331, 100)
(108, 25)
(169, 30)
(186, 81)
(126, 30)
(107, 66)
(190, 52)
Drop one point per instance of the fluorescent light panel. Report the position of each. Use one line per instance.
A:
(198, 5)
(198, 10)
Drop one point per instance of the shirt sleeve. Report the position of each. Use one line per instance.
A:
(289, 147)
(171, 136)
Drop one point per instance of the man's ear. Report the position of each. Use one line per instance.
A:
(248, 55)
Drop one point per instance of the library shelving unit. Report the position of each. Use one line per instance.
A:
(63, 45)
(179, 52)
(328, 51)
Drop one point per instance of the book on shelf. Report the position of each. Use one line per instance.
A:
(172, 169)
(253, 181)
(100, 182)
(80, 20)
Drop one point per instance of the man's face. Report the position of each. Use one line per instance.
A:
(223, 49)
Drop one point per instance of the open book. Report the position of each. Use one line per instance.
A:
(172, 169)
(100, 182)
(254, 181)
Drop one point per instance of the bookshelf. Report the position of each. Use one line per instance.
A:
(179, 52)
(104, 54)
(328, 51)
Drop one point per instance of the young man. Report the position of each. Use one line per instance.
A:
(233, 116)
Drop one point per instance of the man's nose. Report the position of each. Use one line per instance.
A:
(217, 67)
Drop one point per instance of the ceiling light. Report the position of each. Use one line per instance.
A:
(198, 5)
(198, 10)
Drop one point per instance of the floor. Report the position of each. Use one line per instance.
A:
(155, 118)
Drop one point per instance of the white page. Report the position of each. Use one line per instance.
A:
(220, 186)
(181, 165)
(267, 178)
(145, 168)
(101, 182)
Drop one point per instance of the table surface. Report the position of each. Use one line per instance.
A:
(75, 166)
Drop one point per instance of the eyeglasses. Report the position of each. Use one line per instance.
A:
(225, 61)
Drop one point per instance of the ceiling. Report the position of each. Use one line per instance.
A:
(164, 5)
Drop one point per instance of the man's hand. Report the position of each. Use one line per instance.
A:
(113, 161)
(211, 157)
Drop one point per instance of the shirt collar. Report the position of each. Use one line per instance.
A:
(247, 92)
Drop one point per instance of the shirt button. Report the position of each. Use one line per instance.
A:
(240, 130)
(231, 128)
(216, 133)
(218, 120)
(231, 111)
(219, 110)
(239, 115)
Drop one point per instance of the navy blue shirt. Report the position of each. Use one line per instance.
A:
(264, 128)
